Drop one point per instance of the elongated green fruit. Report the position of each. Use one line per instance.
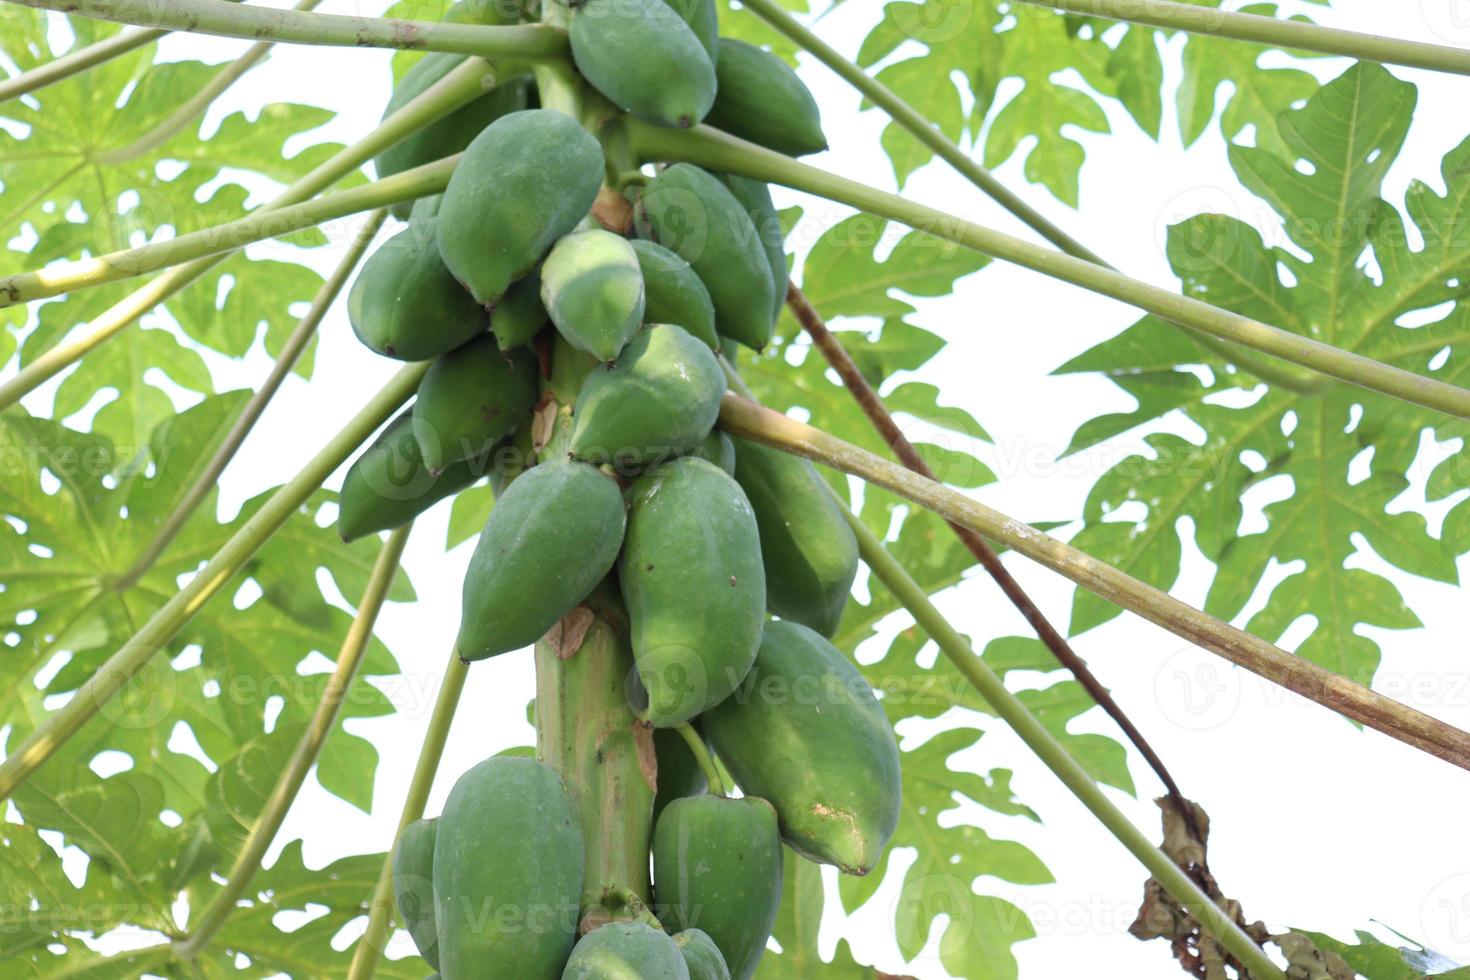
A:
(551, 538)
(691, 533)
(593, 290)
(659, 399)
(679, 774)
(695, 216)
(756, 197)
(623, 951)
(389, 485)
(413, 886)
(762, 100)
(520, 314)
(404, 303)
(719, 449)
(702, 18)
(701, 955)
(644, 58)
(805, 731)
(507, 872)
(717, 867)
(450, 134)
(470, 399)
(522, 183)
(810, 552)
(675, 293)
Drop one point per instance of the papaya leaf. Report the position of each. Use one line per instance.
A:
(797, 924)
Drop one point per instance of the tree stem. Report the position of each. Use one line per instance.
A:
(1173, 878)
(380, 913)
(289, 783)
(720, 151)
(702, 758)
(75, 62)
(165, 624)
(1297, 34)
(1315, 683)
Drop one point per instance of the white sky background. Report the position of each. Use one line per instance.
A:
(1314, 824)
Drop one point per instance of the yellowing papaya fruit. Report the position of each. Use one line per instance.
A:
(388, 485)
(645, 58)
(701, 955)
(810, 552)
(470, 399)
(695, 216)
(702, 18)
(806, 732)
(719, 449)
(679, 774)
(717, 867)
(413, 886)
(762, 100)
(624, 951)
(593, 290)
(658, 400)
(674, 292)
(520, 314)
(450, 134)
(756, 197)
(507, 872)
(404, 303)
(524, 182)
(694, 589)
(550, 539)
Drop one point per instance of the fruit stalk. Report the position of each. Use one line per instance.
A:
(75, 62)
(701, 756)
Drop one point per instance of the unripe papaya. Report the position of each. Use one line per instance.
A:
(702, 18)
(762, 100)
(806, 732)
(810, 552)
(658, 400)
(756, 196)
(624, 951)
(720, 450)
(679, 774)
(413, 886)
(694, 588)
(551, 538)
(717, 867)
(701, 955)
(388, 485)
(645, 58)
(695, 216)
(471, 398)
(450, 134)
(404, 303)
(520, 314)
(522, 183)
(426, 207)
(675, 293)
(593, 290)
(507, 872)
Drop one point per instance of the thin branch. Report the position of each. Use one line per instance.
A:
(1171, 876)
(370, 946)
(1296, 674)
(76, 62)
(290, 781)
(255, 407)
(720, 151)
(882, 421)
(460, 86)
(1302, 35)
(702, 758)
(522, 43)
(164, 625)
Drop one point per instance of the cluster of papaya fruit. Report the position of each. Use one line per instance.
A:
(575, 315)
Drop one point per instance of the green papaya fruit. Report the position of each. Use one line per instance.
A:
(388, 485)
(550, 539)
(520, 314)
(695, 216)
(471, 398)
(719, 449)
(717, 867)
(806, 732)
(507, 872)
(691, 533)
(424, 208)
(756, 197)
(624, 951)
(404, 303)
(702, 16)
(762, 100)
(701, 955)
(645, 58)
(593, 291)
(522, 183)
(413, 886)
(674, 292)
(810, 552)
(658, 400)
(679, 774)
(450, 134)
